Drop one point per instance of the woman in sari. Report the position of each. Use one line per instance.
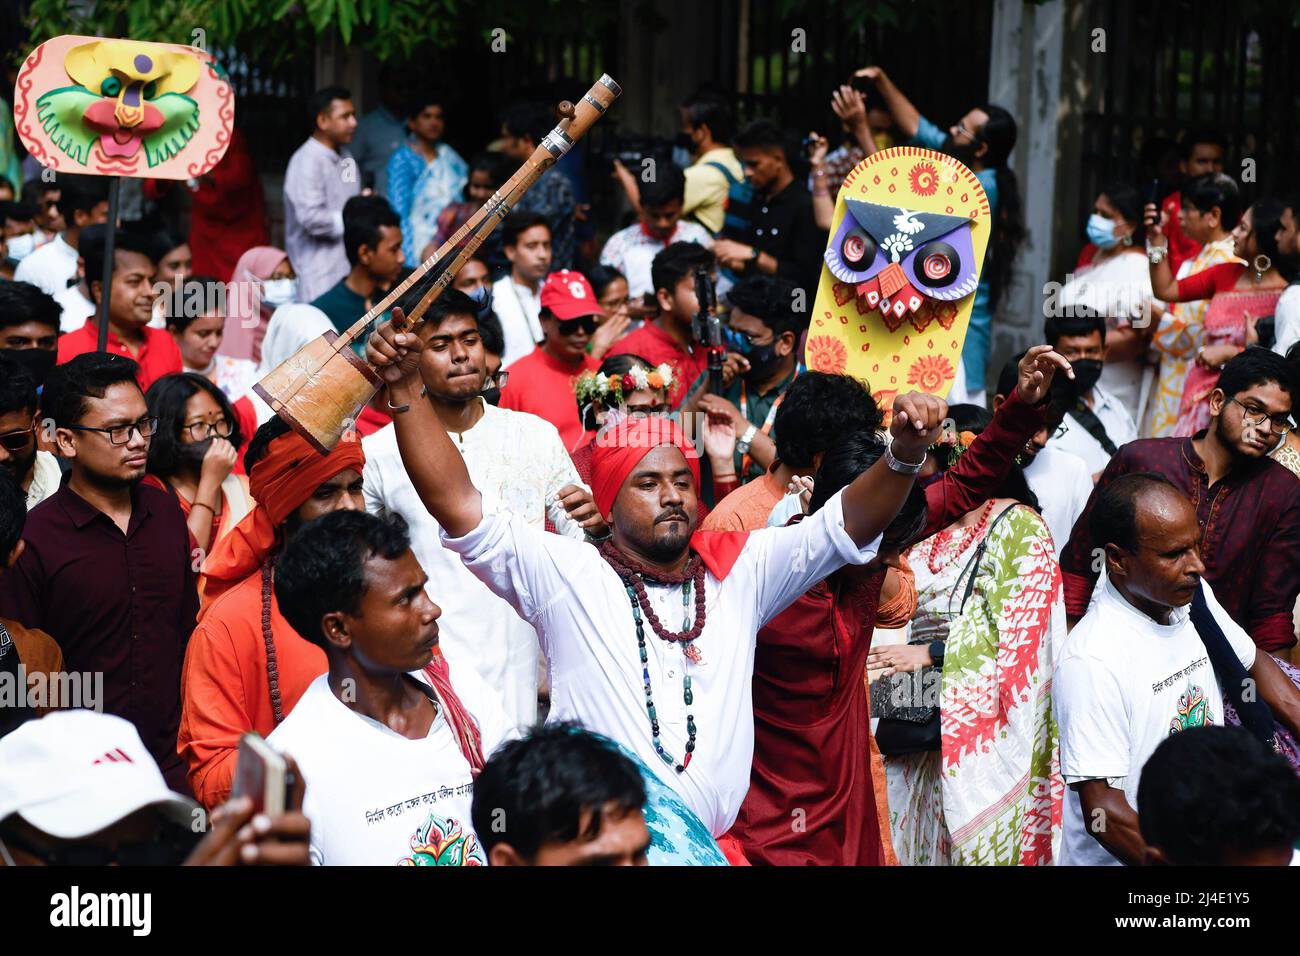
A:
(425, 176)
(989, 616)
(1239, 293)
(1210, 211)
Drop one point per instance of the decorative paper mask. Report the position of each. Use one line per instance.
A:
(122, 107)
(906, 248)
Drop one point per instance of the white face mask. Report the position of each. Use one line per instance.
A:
(20, 247)
(277, 292)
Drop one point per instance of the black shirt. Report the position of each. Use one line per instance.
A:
(784, 228)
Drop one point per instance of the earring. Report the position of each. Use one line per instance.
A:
(1261, 265)
(1127, 240)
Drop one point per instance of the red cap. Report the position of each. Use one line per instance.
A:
(569, 295)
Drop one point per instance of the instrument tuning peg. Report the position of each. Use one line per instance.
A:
(565, 110)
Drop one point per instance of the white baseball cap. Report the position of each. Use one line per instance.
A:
(74, 772)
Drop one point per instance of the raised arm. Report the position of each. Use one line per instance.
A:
(435, 467)
(1163, 284)
(873, 498)
(980, 471)
(907, 116)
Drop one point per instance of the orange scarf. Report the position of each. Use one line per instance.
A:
(280, 482)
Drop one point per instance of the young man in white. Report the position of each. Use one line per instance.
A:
(526, 239)
(1136, 669)
(514, 458)
(607, 618)
(1099, 424)
(660, 224)
(387, 741)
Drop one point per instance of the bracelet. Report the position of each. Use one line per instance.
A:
(399, 409)
(902, 467)
(1156, 254)
(204, 504)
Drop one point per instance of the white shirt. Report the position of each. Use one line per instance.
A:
(581, 611)
(370, 790)
(518, 463)
(76, 308)
(317, 184)
(46, 477)
(632, 250)
(1286, 319)
(517, 307)
(1124, 683)
(1114, 417)
(49, 267)
(1062, 483)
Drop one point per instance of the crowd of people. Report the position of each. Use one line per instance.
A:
(565, 594)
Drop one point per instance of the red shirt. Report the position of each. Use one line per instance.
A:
(159, 355)
(656, 346)
(1181, 246)
(543, 385)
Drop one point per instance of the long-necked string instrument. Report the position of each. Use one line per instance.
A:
(322, 388)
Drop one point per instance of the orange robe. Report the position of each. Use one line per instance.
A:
(225, 691)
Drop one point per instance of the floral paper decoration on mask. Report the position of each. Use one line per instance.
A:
(901, 268)
(123, 108)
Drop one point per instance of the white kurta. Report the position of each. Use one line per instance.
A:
(517, 308)
(518, 463)
(1062, 483)
(584, 619)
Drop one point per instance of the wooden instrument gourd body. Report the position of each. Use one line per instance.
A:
(322, 388)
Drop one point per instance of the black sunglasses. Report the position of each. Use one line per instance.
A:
(165, 849)
(17, 441)
(569, 326)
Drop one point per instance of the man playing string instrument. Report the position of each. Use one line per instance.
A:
(677, 694)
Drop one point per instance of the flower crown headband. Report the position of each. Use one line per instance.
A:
(599, 387)
(952, 446)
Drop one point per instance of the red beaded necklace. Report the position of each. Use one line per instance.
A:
(939, 544)
(634, 573)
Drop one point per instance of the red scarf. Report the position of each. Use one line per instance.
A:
(616, 452)
(458, 718)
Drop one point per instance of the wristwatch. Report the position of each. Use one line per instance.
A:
(742, 446)
(936, 653)
(902, 467)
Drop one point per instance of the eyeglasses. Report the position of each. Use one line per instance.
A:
(121, 434)
(1255, 417)
(496, 381)
(570, 326)
(973, 137)
(17, 441)
(201, 430)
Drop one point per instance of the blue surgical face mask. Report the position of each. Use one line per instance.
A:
(21, 246)
(1101, 231)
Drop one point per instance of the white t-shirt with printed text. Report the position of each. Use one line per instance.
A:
(375, 797)
(1123, 684)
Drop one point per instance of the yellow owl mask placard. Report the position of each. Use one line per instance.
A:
(123, 108)
(899, 273)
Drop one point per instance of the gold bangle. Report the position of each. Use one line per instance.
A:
(204, 504)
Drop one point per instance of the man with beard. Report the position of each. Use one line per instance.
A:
(607, 618)
(1145, 661)
(36, 472)
(514, 459)
(1247, 505)
(983, 140)
(1096, 424)
(107, 570)
(245, 668)
(1059, 480)
(763, 314)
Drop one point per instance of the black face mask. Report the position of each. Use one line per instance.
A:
(684, 141)
(38, 362)
(192, 455)
(492, 395)
(762, 359)
(1086, 373)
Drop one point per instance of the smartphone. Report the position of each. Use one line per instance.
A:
(262, 774)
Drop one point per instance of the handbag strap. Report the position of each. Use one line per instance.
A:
(1233, 677)
(973, 565)
(1086, 417)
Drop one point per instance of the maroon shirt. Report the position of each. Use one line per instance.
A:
(123, 605)
(1250, 535)
(811, 724)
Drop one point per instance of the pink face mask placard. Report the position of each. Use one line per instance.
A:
(123, 108)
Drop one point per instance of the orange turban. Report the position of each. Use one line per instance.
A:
(616, 452)
(280, 482)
